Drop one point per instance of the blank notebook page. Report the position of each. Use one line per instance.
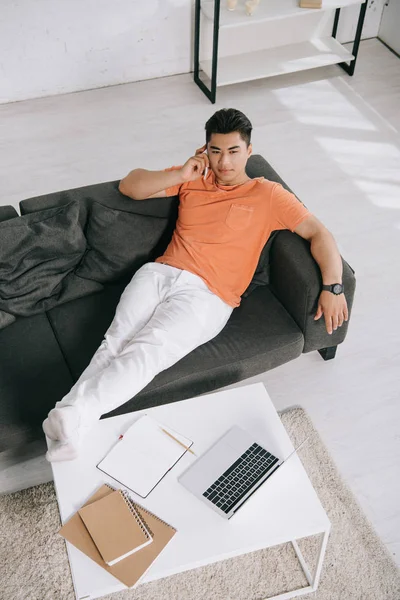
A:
(144, 455)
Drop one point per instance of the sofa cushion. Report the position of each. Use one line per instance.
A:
(106, 193)
(119, 243)
(33, 377)
(259, 336)
(80, 325)
(38, 254)
(6, 213)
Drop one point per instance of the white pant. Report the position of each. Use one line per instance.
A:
(163, 314)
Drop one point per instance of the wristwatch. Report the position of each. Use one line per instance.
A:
(335, 288)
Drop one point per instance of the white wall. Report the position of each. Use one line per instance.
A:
(52, 47)
(390, 25)
(56, 46)
(349, 18)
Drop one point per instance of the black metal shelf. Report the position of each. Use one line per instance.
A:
(212, 92)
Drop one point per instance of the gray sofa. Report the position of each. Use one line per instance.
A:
(52, 321)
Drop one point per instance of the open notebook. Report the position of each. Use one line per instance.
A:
(115, 527)
(144, 455)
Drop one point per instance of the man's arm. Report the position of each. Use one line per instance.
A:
(326, 254)
(141, 184)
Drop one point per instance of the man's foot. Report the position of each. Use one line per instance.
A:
(62, 424)
(59, 451)
(67, 429)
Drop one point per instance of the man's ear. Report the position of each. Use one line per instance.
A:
(250, 150)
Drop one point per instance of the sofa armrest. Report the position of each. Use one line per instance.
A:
(295, 279)
(7, 212)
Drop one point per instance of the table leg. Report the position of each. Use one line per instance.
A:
(313, 580)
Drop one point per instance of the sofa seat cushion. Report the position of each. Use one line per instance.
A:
(33, 377)
(259, 336)
(80, 325)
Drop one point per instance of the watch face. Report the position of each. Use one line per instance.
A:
(337, 288)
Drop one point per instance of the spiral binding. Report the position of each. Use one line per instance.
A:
(129, 500)
(134, 512)
(142, 518)
(153, 515)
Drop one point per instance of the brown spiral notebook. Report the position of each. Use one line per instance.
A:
(130, 569)
(115, 527)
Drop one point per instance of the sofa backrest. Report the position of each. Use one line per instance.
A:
(109, 196)
(120, 235)
(106, 194)
(257, 166)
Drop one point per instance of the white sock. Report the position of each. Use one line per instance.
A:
(67, 422)
(67, 427)
(59, 451)
(71, 447)
(62, 424)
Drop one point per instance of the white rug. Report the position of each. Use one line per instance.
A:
(34, 564)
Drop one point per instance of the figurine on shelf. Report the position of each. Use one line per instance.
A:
(231, 4)
(250, 5)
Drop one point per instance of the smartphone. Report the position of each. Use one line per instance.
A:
(206, 169)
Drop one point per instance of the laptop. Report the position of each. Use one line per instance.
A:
(230, 471)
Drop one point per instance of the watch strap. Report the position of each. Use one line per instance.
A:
(331, 288)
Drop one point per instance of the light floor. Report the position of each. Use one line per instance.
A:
(335, 140)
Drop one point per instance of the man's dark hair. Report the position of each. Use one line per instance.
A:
(228, 120)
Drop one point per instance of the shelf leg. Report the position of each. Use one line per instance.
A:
(349, 68)
(211, 94)
(196, 39)
(215, 52)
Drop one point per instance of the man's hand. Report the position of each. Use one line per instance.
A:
(195, 167)
(334, 309)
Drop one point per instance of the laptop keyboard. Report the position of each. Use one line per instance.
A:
(230, 488)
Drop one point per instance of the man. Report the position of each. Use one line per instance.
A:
(186, 297)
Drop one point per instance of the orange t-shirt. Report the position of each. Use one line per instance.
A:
(221, 230)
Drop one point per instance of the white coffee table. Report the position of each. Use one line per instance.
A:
(284, 509)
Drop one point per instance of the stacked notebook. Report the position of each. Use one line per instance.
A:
(119, 535)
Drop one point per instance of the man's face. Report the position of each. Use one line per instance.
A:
(228, 155)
